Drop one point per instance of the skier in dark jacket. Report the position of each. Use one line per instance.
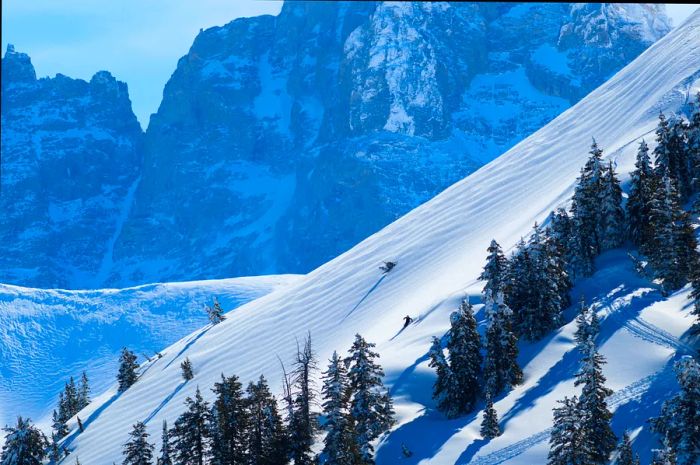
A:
(387, 266)
(407, 320)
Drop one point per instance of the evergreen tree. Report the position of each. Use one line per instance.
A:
(464, 348)
(489, 423)
(59, 422)
(612, 214)
(24, 444)
(339, 444)
(495, 270)
(83, 392)
(56, 452)
(371, 408)
(674, 254)
(302, 424)
(560, 235)
(229, 423)
(625, 455)
(639, 205)
(501, 368)
(267, 441)
(598, 438)
(587, 327)
(679, 421)
(215, 313)
(695, 294)
(671, 157)
(566, 439)
(542, 288)
(186, 366)
(693, 147)
(164, 458)
(190, 434)
(586, 215)
(444, 375)
(665, 456)
(71, 399)
(127, 369)
(137, 450)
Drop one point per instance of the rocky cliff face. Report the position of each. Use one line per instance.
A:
(71, 154)
(282, 141)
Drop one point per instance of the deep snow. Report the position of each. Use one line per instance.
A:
(440, 248)
(48, 335)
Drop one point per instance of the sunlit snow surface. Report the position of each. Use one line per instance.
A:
(440, 248)
(46, 336)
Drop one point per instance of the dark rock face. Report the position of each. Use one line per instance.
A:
(282, 141)
(71, 153)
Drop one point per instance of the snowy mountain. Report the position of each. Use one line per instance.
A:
(71, 156)
(283, 141)
(440, 249)
(48, 335)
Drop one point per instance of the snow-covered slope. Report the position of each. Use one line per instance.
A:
(440, 248)
(46, 336)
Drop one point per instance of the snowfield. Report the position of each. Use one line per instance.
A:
(48, 335)
(440, 249)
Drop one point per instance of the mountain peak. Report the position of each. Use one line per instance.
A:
(17, 67)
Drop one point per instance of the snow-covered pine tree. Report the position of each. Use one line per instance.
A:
(489, 422)
(24, 444)
(165, 458)
(558, 268)
(695, 295)
(665, 456)
(598, 438)
(229, 423)
(559, 232)
(501, 368)
(371, 408)
(339, 446)
(540, 293)
(83, 392)
(693, 138)
(56, 452)
(518, 289)
(464, 348)
(625, 454)
(302, 424)
(187, 371)
(612, 215)
(679, 421)
(70, 398)
(566, 439)
(190, 434)
(642, 186)
(671, 154)
(215, 313)
(586, 215)
(587, 327)
(127, 370)
(674, 254)
(444, 375)
(495, 270)
(59, 422)
(137, 450)
(267, 440)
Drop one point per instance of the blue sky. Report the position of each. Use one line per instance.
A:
(138, 41)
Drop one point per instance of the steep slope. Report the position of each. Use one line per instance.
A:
(283, 141)
(46, 336)
(71, 156)
(440, 248)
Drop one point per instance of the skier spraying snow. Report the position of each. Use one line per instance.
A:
(387, 266)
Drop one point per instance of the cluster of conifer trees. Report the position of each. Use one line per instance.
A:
(247, 427)
(525, 295)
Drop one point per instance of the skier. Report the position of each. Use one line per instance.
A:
(407, 321)
(387, 267)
